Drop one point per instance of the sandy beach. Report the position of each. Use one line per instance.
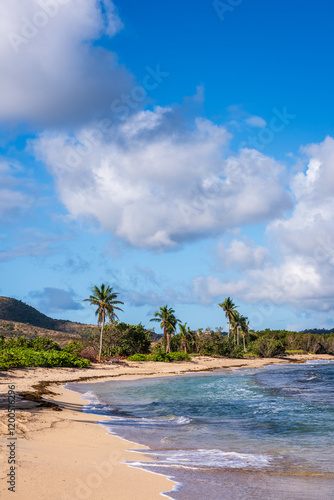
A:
(66, 454)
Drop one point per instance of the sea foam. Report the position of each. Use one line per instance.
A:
(205, 459)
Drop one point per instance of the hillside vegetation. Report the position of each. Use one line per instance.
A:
(18, 318)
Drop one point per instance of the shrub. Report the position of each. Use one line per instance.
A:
(22, 342)
(29, 357)
(178, 356)
(140, 357)
(74, 348)
(89, 353)
(123, 340)
(44, 344)
(268, 348)
(295, 351)
(163, 357)
(237, 352)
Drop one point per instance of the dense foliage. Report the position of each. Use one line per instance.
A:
(309, 342)
(264, 344)
(122, 339)
(21, 353)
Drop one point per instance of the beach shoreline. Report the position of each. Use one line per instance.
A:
(66, 454)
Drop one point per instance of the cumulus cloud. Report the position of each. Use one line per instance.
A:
(243, 254)
(52, 69)
(155, 182)
(303, 276)
(56, 300)
(311, 223)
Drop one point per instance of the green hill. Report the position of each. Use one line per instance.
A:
(16, 311)
(318, 331)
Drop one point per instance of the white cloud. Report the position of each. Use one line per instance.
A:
(243, 254)
(303, 277)
(51, 71)
(311, 223)
(256, 121)
(156, 183)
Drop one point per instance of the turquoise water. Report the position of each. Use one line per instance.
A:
(244, 434)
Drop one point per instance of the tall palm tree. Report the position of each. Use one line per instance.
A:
(244, 328)
(185, 336)
(230, 308)
(236, 322)
(168, 322)
(105, 300)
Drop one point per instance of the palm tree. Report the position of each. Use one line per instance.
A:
(185, 334)
(244, 328)
(235, 322)
(105, 300)
(168, 322)
(230, 308)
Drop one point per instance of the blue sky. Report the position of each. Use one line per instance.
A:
(181, 152)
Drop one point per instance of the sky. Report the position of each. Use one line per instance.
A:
(180, 152)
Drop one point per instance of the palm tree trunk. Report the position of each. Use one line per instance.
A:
(237, 335)
(168, 343)
(243, 338)
(101, 338)
(229, 327)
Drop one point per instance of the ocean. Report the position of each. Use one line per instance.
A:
(264, 433)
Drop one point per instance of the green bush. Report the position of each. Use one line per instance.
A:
(178, 356)
(44, 344)
(122, 339)
(21, 358)
(295, 351)
(13, 343)
(161, 356)
(268, 348)
(237, 352)
(74, 347)
(2, 341)
(139, 357)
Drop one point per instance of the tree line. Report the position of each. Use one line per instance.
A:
(125, 340)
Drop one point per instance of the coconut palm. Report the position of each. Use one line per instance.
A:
(244, 328)
(230, 308)
(185, 336)
(168, 322)
(105, 300)
(235, 323)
